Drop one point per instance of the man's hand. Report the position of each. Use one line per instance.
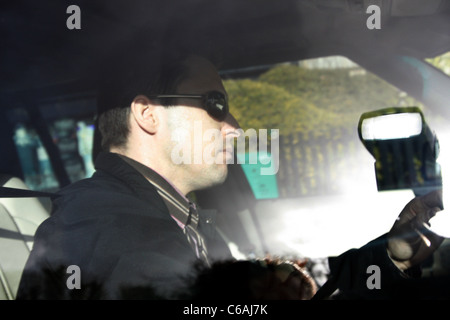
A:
(410, 241)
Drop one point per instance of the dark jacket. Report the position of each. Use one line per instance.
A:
(117, 229)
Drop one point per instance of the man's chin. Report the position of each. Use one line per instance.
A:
(214, 177)
(221, 174)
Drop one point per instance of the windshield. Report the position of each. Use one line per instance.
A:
(325, 176)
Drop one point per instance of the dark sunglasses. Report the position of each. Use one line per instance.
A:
(214, 102)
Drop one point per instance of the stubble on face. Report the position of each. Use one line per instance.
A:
(187, 126)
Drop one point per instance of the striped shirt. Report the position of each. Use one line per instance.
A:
(181, 209)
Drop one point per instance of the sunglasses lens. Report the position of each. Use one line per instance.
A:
(217, 105)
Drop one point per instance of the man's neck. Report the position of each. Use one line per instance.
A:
(166, 174)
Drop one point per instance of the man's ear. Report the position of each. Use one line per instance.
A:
(144, 113)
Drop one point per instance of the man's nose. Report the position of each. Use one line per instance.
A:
(230, 126)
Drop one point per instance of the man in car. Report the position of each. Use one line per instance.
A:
(130, 231)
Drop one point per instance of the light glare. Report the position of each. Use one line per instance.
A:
(392, 126)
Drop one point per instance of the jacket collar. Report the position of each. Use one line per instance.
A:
(138, 176)
(112, 164)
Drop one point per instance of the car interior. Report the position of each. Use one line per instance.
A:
(308, 68)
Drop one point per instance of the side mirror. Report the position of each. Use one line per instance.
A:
(404, 147)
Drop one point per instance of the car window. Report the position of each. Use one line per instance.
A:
(325, 182)
(442, 62)
(70, 123)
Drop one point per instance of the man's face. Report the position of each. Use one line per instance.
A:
(200, 145)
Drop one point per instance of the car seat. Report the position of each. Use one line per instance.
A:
(19, 219)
